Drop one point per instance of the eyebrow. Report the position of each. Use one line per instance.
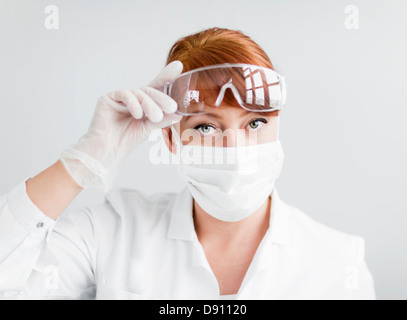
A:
(217, 116)
(209, 114)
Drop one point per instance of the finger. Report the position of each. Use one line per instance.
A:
(115, 99)
(167, 104)
(151, 110)
(127, 99)
(170, 119)
(134, 106)
(120, 96)
(171, 71)
(106, 99)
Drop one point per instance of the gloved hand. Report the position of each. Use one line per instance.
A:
(122, 120)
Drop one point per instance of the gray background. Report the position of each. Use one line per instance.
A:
(343, 129)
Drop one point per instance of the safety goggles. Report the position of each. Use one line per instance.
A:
(254, 88)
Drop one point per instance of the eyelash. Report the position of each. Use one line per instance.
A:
(259, 119)
(199, 126)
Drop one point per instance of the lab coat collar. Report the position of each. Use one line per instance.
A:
(181, 225)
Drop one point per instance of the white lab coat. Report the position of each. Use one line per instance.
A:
(145, 247)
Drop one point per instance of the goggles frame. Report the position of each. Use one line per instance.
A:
(281, 82)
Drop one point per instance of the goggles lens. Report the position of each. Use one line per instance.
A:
(253, 88)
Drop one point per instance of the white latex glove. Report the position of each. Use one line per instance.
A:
(122, 120)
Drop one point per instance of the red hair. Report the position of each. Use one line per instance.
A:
(218, 46)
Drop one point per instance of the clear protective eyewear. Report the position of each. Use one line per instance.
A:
(254, 88)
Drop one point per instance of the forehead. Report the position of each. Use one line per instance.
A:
(227, 113)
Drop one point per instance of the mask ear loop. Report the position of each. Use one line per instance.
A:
(176, 138)
(278, 128)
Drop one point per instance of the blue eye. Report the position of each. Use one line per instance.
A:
(256, 124)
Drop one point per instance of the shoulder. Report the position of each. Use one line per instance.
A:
(122, 208)
(322, 242)
(136, 202)
(329, 261)
(130, 207)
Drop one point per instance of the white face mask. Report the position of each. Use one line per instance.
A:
(231, 191)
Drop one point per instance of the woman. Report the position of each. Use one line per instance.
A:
(227, 235)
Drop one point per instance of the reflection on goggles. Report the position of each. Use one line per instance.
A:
(253, 88)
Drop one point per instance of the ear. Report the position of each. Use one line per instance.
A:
(167, 134)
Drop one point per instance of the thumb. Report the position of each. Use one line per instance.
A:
(170, 119)
(171, 71)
